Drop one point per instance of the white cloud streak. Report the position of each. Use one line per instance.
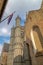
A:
(4, 32)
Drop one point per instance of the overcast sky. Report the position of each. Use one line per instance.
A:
(21, 7)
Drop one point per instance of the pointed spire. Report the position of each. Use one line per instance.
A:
(18, 19)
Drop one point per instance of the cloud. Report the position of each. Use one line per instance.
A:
(7, 39)
(4, 31)
(22, 6)
(4, 35)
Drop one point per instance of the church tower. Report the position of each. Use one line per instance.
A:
(18, 50)
(18, 43)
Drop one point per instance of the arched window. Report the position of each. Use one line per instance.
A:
(37, 29)
(37, 39)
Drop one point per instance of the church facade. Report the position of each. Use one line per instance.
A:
(34, 32)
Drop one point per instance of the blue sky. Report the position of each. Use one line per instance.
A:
(21, 7)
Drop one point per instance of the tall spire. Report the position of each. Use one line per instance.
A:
(18, 19)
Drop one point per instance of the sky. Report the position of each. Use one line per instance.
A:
(21, 7)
